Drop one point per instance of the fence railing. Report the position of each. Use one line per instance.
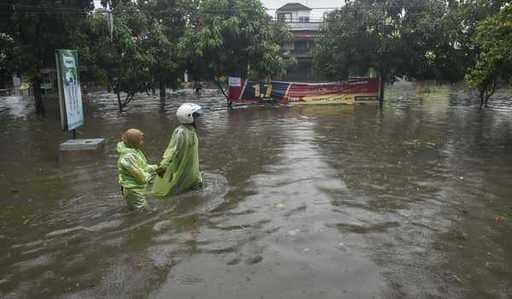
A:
(296, 26)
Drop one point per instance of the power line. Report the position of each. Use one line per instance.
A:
(32, 6)
(34, 9)
(313, 8)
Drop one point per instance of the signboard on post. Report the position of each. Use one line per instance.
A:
(70, 95)
(235, 88)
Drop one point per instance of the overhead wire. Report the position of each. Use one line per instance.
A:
(72, 8)
(56, 9)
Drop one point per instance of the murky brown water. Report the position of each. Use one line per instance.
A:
(300, 202)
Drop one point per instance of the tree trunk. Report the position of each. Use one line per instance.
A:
(221, 89)
(482, 98)
(381, 89)
(119, 101)
(487, 92)
(490, 93)
(36, 85)
(163, 94)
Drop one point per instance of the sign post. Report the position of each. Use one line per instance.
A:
(70, 101)
(70, 94)
(16, 83)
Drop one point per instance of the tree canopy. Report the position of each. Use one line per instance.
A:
(234, 37)
(422, 39)
(155, 41)
(32, 30)
(152, 44)
(494, 37)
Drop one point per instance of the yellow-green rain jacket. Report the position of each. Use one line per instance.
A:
(133, 167)
(181, 160)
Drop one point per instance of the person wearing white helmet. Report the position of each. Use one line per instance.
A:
(178, 171)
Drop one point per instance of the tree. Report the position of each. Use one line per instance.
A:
(394, 37)
(6, 52)
(428, 51)
(232, 37)
(35, 29)
(143, 52)
(359, 36)
(423, 39)
(494, 37)
(167, 21)
(123, 62)
(460, 50)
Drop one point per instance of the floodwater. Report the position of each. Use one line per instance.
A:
(300, 202)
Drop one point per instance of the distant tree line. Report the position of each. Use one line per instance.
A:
(149, 45)
(443, 40)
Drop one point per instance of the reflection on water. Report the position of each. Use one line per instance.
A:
(299, 202)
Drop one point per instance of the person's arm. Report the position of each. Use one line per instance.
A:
(152, 167)
(152, 171)
(129, 163)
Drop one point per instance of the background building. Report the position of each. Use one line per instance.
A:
(298, 18)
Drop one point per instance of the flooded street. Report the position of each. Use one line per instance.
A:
(300, 202)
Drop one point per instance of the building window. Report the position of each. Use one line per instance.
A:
(301, 46)
(303, 19)
(284, 17)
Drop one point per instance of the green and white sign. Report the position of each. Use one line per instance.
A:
(70, 95)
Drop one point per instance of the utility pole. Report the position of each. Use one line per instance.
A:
(107, 11)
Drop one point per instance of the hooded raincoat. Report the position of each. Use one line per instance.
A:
(181, 161)
(134, 175)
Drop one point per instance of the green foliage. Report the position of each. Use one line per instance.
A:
(423, 39)
(34, 30)
(494, 37)
(124, 62)
(233, 37)
(395, 37)
(152, 44)
(459, 26)
(167, 20)
(155, 41)
(6, 53)
(39, 27)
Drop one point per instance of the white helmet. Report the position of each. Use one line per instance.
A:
(186, 113)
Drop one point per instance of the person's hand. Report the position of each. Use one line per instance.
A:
(160, 171)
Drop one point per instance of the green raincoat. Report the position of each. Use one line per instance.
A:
(181, 160)
(134, 175)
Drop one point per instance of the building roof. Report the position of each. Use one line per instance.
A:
(294, 6)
